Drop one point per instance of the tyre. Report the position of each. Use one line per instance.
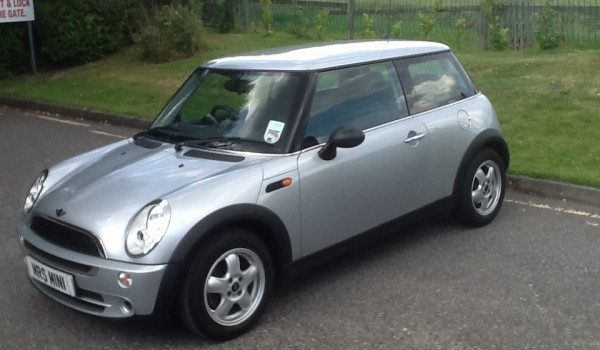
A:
(482, 192)
(227, 285)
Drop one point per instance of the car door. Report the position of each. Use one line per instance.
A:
(365, 186)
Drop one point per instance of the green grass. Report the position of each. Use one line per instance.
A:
(548, 102)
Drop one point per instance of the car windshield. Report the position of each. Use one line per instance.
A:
(248, 111)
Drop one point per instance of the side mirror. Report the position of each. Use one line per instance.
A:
(343, 137)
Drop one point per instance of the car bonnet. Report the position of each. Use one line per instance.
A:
(105, 194)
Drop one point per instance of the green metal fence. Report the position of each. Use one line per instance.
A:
(576, 21)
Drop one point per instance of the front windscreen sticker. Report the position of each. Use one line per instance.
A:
(273, 132)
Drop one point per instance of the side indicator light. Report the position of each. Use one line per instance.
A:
(279, 184)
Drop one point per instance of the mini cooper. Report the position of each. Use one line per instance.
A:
(260, 163)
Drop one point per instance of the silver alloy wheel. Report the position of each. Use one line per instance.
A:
(234, 287)
(486, 188)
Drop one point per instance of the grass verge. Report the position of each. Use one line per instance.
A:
(548, 102)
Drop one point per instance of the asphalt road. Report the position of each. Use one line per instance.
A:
(530, 280)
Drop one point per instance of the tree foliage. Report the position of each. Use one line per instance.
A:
(73, 32)
(13, 55)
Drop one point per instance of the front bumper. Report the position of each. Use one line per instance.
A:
(97, 287)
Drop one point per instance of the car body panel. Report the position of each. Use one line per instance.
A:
(449, 139)
(363, 186)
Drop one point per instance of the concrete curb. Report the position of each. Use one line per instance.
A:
(546, 188)
(557, 190)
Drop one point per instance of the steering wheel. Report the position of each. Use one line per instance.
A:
(208, 119)
(227, 113)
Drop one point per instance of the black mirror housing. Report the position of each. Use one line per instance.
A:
(343, 137)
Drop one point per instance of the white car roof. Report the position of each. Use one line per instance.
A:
(325, 55)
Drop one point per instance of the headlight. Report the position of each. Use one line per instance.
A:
(34, 192)
(148, 227)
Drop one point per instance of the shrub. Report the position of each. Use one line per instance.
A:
(427, 21)
(80, 31)
(300, 23)
(14, 53)
(267, 16)
(461, 30)
(397, 30)
(218, 14)
(498, 36)
(547, 35)
(154, 47)
(172, 31)
(369, 31)
(322, 19)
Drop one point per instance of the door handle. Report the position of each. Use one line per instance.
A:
(414, 138)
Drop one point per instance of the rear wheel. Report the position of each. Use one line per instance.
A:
(483, 189)
(227, 286)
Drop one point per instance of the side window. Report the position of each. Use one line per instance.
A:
(433, 81)
(360, 96)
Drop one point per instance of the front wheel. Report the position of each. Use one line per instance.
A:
(483, 189)
(227, 286)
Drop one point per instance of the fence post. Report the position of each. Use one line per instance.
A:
(246, 10)
(351, 9)
(519, 19)
(484, 26)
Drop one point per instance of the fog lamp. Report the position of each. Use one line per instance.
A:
(125, 280)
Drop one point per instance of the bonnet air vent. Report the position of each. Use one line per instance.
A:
(213, 156)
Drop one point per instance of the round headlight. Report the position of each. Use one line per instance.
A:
(34, 192)
(148, 227)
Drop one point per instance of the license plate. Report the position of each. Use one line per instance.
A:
(49, 276)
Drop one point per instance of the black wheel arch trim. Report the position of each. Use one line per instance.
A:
(262, 221)
(258, 219)
(490, 138)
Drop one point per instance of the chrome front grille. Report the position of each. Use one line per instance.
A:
(67, 236)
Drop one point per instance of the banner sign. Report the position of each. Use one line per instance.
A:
(16, 11)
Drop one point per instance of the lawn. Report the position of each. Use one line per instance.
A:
(548, 102)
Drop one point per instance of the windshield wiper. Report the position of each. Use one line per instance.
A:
(204, 142)
(160, 133)
(217, 142)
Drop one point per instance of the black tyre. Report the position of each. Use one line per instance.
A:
(227, 285)
(482, 192)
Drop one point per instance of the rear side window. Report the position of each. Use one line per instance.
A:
(360, 96)
(433, 81)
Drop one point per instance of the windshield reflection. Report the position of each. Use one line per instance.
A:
(231, 109)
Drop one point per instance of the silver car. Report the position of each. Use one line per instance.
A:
(260, 164)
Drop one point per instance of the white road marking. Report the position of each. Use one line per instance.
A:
(62, 121)
(108, 134)
(580, 213)
(85, 125)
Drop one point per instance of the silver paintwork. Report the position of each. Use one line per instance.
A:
(324, 56)
(103, 278)
(401, 166)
